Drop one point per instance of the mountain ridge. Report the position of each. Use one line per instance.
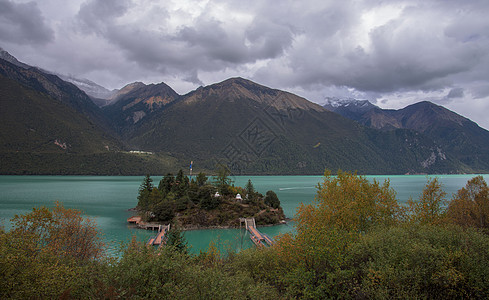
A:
(239, 122)
(238, 87)
(251, 128)
(467, 141)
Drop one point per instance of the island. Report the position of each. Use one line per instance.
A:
(198, 203)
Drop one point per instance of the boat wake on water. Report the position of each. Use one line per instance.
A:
(296, 188)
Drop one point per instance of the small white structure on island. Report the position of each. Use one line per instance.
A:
(238, 198)
(216, 195)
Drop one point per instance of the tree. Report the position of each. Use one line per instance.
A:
(430, 207)
(181, 185)
(222, 180)
(60, 231)
(470, 206)
(351, 202)
(163, 211)
(177, 240)
(181, 179)
(144, 192)
(166, 184)
(272, 200)
(345, 207)
(51, 253)
(206, 197)
(201, 179)
(147, 183)
(250, 191)
(154, 198)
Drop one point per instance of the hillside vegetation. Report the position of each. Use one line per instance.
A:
(250, 128)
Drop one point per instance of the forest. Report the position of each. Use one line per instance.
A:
(355, 241)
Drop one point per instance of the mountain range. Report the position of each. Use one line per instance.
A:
(457, 135)
(58, 125)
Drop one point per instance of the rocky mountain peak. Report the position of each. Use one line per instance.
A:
(334, 103)
(11, 59)
(237, 88)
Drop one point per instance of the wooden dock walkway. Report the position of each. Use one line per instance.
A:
(134, 220)
(137, 220)
(160, 238)
(258, 238)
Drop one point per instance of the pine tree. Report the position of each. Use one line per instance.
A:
(166, 184)
(177, 240)
(222, 180)
(201, 179)
(250, 191)
(145, 190)
(271, 199)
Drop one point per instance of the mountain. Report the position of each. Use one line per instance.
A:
(56, 88)
(33, 121)
(125, 90)
(137, 101)
(256, 129)
(349, 108)
(98, 93)
(49, 126)
(11, 59)
(459, 136)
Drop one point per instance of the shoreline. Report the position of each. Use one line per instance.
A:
(154, 226)
(197, 227)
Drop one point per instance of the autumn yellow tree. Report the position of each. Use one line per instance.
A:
(350, 202)
(50, 254)
(429, 209)
(470, 206)
(60, 231)
(345, 207)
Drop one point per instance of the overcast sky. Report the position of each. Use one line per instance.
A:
(392, 53)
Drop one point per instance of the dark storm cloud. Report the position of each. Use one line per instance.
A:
(23, 23)
(204, 44)
(422, 49)
(95, 15)
(456, 93)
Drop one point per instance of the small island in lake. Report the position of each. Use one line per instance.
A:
(199, 203)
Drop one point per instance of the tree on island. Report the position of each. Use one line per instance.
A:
(166, 184)
(222, 180)
(271, 199)
(196, 203)
(145, 190)
(251, 194)
(201, 179)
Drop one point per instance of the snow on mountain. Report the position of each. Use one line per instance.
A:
(333, 103)
(11, 59)
(91, 88)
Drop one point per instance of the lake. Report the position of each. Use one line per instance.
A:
(107, 199)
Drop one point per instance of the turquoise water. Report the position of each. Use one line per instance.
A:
(107, 198)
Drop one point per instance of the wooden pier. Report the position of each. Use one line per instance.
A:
(161, 237)
(136, 220)
(258, 238)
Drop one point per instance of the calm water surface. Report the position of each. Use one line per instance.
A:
(107, 198)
